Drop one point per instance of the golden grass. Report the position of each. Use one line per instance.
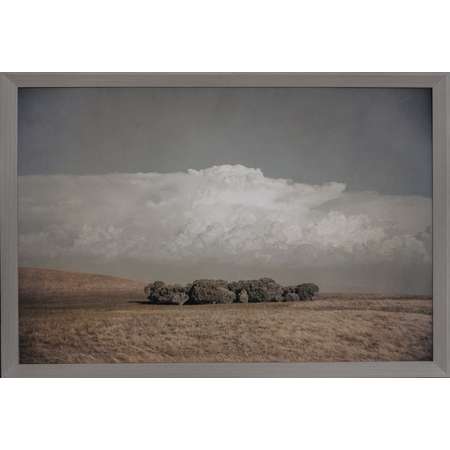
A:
(36, 284)
(102, 328)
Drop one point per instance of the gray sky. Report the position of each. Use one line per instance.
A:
(370, 139)
(325, 185)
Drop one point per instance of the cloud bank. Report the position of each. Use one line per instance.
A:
(226, 221)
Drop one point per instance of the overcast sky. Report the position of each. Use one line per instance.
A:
(332, 185)
(370, 139)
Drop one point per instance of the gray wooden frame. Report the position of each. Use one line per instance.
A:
(10, 367)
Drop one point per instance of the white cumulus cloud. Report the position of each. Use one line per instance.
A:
(224, 220)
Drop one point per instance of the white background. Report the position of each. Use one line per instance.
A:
(224, 36)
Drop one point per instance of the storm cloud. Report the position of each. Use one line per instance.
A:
(226, 221)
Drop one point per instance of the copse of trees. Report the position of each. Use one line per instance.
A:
(206, 291)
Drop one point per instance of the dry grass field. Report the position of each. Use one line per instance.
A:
(80, 318)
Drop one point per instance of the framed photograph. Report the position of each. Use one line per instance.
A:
(224, 225)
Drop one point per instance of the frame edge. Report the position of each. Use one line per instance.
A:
(441, 310)
(417, 369)
(221, 79)
(8, 225)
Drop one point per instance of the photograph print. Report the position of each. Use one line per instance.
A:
(182, 224)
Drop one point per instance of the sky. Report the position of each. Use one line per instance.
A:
(329, 185)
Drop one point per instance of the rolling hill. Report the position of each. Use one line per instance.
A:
(48, 284)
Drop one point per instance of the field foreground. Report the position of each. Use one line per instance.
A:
(81, 318)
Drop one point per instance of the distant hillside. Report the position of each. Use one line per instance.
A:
(36, 284)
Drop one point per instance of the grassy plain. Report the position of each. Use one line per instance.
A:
(81, 318)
